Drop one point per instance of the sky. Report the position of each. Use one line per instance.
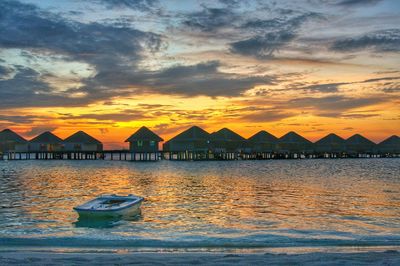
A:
(109, 67)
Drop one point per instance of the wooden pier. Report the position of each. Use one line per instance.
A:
(125, 155)
(195, 144)
(111, 155)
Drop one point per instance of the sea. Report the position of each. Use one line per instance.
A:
(204, 205)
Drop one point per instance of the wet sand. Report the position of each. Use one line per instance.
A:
(389, 257)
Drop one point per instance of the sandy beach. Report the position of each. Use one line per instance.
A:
(389, 257)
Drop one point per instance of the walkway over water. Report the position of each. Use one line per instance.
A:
(125, 155)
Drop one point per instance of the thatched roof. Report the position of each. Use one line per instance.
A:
(81, 137)
(46, 137)
(144, 133)
(193, 133)
(7, 135)
(293, 137)
(330, 139)
(226, 134)
(357, 139)
(391, 144)
(392, 140)
(262, 137)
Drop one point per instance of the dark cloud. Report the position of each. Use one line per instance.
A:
(262, 47)
(34, 131)
(25, 89)
(153, 106)
(187, 80)
(202, 79)
(264, 25)
(357, 2)
(232, 3)
(323, 88)
(333, 105)
(391, 89)
(334, 87)
(387, 72)
(210, 19)
(358, 115)
(380, 41)
(26, 27)
(283, 23)
(113, 52)
(4, 71)
(344, 3)
(380, 79)
(121, 116)
(338, 114)
(271, 35)
(108, 49)
(267, 116)
(18, 119)
(142, 5)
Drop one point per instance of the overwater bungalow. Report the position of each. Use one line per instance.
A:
(357, 144)
(226, 141)
(12, 142)
(390, 145)
(293, 143)
(45, 142)
(192, 139)
(330, 146)
(82, 142)
(144, 140)
(263, 142)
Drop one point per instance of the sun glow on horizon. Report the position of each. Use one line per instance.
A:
(109, 68)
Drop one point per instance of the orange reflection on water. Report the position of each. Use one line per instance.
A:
(211, 198)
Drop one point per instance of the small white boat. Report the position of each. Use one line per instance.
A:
(111, 205)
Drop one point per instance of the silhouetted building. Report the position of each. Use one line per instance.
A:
(144, 140)
(225, 140)
(390, 145)
(12, 142)
(331, 143)
(81, 141)
(358, 144)
(194, 139)
(294, 143)
(46, 141)
(262, 141)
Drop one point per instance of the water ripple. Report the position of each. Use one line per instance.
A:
(240, 203)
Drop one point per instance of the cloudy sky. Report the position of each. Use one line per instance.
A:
(111, 66)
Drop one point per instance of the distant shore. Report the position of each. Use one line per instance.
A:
(389, 257)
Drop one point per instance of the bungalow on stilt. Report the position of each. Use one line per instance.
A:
(46, 146)
(262, 145)
(11, 144)
(359, 146)
(143, 145)
(226, 144)
(292, 145)
(390, 146)
(330, 146)
(191, 144)
(81, 145)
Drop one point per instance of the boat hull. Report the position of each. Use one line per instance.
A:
(134, 210)
(98, 207)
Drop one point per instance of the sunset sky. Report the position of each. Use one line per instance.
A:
(110, 66)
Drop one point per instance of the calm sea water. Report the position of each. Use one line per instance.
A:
(236, 204)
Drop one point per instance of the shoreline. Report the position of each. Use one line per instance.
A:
(123, 257)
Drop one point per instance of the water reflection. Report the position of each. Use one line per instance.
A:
(106, 222)
(248, 199)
